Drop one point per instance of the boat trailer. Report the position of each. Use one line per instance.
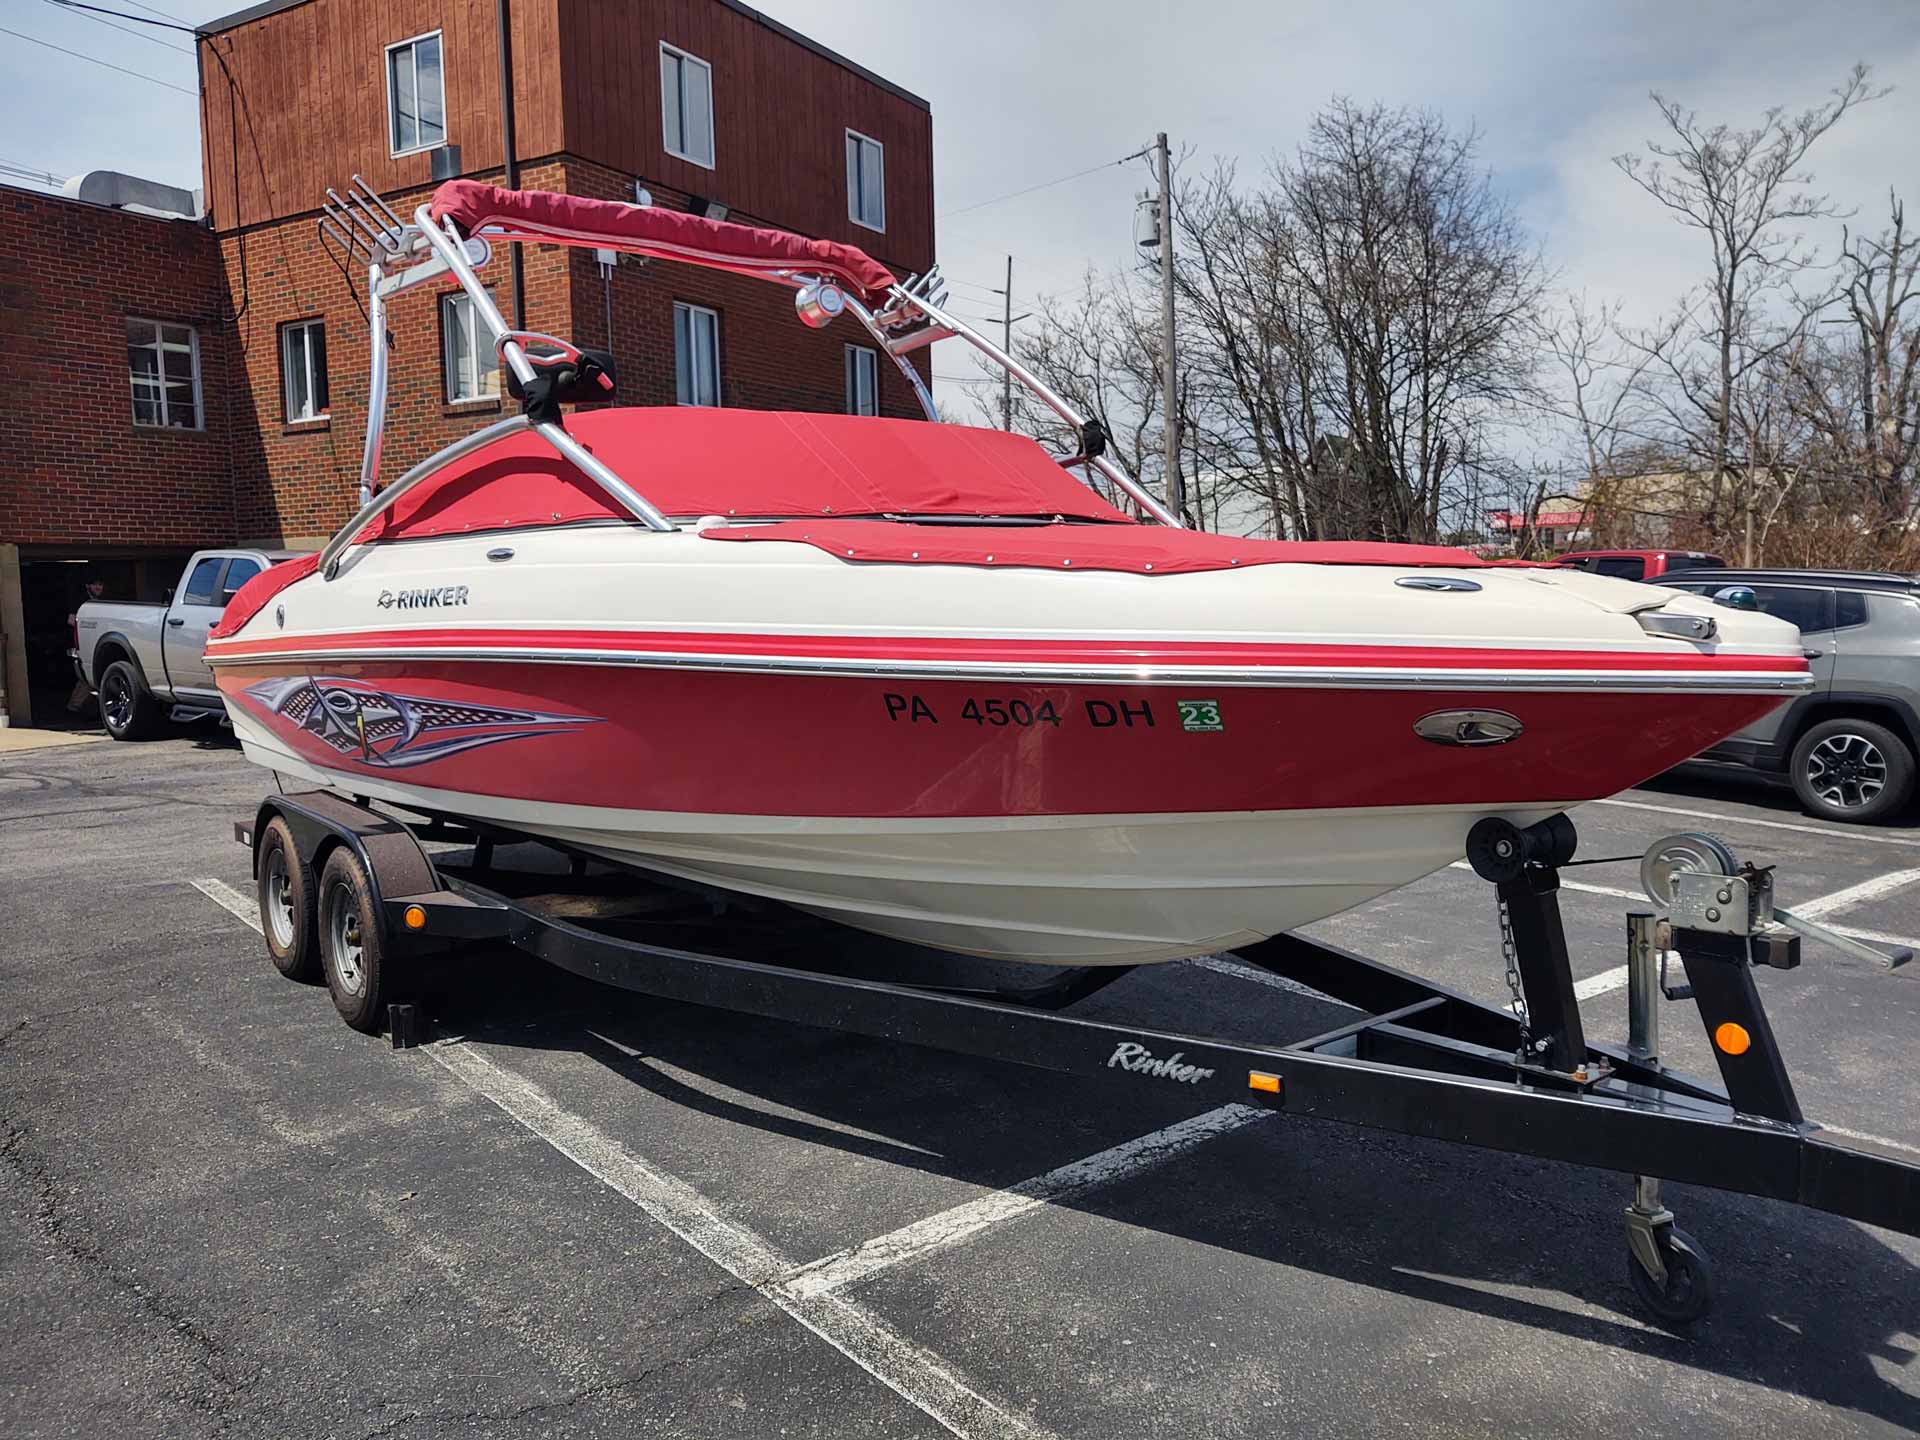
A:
(350, 894)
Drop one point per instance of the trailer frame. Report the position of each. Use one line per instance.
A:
(1420, 1059)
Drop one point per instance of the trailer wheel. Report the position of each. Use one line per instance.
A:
(1687, 1293)
(127, 710)
(350, 943)
(286, 890)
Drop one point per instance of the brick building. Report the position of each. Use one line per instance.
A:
(700, 105)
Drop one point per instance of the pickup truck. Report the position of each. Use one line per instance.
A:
(140, 656)
(1640, 564)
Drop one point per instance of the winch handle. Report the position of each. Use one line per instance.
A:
(1846, 944)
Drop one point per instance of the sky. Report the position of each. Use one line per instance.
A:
(1025, 92)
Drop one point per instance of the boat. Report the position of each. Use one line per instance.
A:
(926, 679)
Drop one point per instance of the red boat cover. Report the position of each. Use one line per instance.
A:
(697, 461)
(539, 215)
(252, 597)
(1137, 549)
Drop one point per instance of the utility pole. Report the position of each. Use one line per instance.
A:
(1170, 398)
(1007, 321)
(1006, 344)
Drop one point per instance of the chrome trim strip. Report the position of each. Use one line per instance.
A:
(1277, 677)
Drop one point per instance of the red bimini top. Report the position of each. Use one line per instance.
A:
(539, 215)
(693, 461)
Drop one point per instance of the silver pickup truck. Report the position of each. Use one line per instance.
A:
(141, 657)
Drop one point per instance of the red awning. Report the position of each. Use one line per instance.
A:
(1137, 549)
(539, 215)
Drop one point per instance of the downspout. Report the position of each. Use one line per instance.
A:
(509, 150)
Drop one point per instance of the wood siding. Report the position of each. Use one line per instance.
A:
(296, 101)
(780, 116)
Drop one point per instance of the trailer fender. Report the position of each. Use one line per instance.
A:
(393, 859)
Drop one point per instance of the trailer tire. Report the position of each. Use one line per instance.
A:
(127, 708)
(285, 886)
(350, 950)
(1688, 1292)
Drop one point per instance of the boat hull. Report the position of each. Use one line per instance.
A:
(1057, 823)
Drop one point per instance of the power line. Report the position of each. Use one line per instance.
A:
(94, 13)
(96, 60)
(154, 10)
(171, 22)
(1043, 185)
(27, 172)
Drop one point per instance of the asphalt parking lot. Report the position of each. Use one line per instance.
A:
(583, 1213)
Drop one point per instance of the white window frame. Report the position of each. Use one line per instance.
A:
(687, 57)
(306, 328)
(858, 356)
(693, 367)
(856, 139)
(452, 304)
(160, 347)
(386, 78)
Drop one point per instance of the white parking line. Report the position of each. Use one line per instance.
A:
(911, 1371)
(235, 902)
(1878, 888)
(963, 1222)
(1864, 833)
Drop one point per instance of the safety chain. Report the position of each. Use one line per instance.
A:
(1510, 953)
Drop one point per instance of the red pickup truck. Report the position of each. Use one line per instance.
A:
(1641, 564)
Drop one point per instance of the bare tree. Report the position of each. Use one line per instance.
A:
(1361, 319)
(1747, 191)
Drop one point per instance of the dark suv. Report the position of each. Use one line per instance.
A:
(1848, 745)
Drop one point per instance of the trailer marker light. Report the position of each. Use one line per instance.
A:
(1732, 1038)
(1260, 1080)
(416, 917)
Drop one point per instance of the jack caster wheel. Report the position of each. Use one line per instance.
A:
(350, 948)
(285, 885)
(1687, 1292)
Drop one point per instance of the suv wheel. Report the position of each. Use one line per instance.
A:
(1852, 770)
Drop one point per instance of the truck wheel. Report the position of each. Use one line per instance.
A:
(126, 708)
(350, 950)
(286, 888)
(1852, 770)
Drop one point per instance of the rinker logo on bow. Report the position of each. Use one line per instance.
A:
(438, 596)
(1128, 1055)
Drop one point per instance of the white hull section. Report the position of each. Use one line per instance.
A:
(1043, 889)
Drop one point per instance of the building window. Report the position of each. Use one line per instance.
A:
(466, 352)
(686, 105)
(863, 380)
(696, 355)
(303, 370)
(164, 363)
(866, 181)
(416, 95)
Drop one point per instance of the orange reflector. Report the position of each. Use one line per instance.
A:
(415, 917)
(1732, 1038)
(1260, 1080)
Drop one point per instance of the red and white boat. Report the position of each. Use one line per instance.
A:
(920, 678)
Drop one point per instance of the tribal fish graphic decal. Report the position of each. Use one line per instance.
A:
(377, 727)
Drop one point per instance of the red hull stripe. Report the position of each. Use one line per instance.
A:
(936, 649)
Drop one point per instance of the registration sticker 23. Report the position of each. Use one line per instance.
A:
(1200, 715)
